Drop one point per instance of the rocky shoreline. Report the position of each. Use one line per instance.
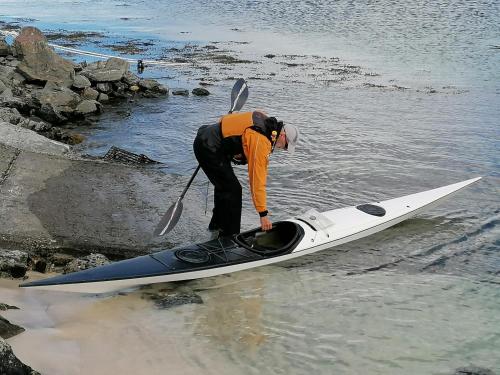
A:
(41, 91)
(44, 212)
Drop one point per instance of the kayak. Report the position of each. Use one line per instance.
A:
(288, 239)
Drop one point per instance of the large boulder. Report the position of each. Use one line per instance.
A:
(57, 102)
(39, 63)
(10, 364)
(106, 71)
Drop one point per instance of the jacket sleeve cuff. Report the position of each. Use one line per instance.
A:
(263, 213)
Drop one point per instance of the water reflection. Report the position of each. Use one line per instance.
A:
(232, 313)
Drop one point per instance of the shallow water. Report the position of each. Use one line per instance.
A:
(391, 98)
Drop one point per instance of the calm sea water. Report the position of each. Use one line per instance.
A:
(392, 98)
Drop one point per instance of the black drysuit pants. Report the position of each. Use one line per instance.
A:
(227, 189)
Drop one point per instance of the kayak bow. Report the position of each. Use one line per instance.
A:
(305, 234)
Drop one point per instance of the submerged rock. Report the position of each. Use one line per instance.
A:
(152, 88)
(473, 370)
(200, 91)
(8, 330)
(166, 301)
(4, 307)
(10, 364)
(90, 261)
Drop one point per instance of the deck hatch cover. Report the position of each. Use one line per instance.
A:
(371, 209)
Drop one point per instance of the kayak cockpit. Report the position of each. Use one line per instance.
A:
(281, 239)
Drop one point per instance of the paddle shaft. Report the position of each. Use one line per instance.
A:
(190, 182)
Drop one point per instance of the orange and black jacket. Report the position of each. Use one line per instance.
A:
(246, 134)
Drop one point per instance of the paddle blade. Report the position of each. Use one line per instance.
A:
(170, 219)
(239, 95)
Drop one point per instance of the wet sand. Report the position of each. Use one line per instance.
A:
(74, 334)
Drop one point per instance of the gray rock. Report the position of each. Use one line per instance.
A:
(182, 92)
(52, 114)
(104, 87)
(152, 88)
(8, 330)
(148, 84)
(90, 261)
(130, 78)
(27, 140)
(42, 266)
(10, 364)
(81, 82)
(90, 93)
(87, 107)
(38, 61)
(103, 98)
(49, 203)
(119, 90)
(60, 259)
(6, 73)
(22, 105)
(166, 301)
(7, 93)
(200, 91)
(41, 126)
(109, 71)
(12, 63)
(59, 96)
(57, 102)
(3, 87)
(4, 47)
(13, 262)
(10, 115)
(17, 79)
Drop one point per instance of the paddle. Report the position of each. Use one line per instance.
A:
(239, 96)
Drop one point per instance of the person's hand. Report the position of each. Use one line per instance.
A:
(265, 223)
